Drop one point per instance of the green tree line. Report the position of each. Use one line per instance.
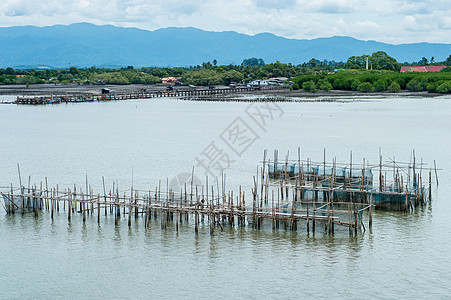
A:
(205, 74)
(376, 80)
(314, 75)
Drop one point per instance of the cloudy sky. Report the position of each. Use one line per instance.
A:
(392, 21)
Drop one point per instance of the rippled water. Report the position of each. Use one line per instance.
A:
(403, 256)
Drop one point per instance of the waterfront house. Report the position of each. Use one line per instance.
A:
(277, 80)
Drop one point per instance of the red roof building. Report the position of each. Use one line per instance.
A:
(167, 80)
(422, 69)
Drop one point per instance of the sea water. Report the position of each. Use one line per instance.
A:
(140, 142)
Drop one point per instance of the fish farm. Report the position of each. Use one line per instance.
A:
(388, 185)
(290, 194)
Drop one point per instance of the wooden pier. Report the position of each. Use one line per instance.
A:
(289, 199)
(185, 93)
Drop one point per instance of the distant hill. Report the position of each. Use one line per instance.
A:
(85, 45)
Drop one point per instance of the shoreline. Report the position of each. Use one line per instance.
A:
(49, 89)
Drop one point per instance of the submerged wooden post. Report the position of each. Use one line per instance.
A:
(355, 218)
(98, 209)
(196, 219)
(129, 212)
(46, 195)
(370, 217)
(314, 217)
(293, 224)
(83, 207)
(104, 195)
(11, 205)
(381, 180)
(69, 204)
(349, 214)
(52, 203)
(435, 170)
(37, 201)
(430, 184)
(57, 199)
(273, 209)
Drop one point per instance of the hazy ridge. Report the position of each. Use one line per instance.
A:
(84, 45)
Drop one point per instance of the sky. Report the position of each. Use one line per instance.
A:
(390, 21)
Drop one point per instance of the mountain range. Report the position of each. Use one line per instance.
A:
(85, 45)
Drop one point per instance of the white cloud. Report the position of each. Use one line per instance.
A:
(394, 21)
(275, 5)
(413, 7)
(445, 22)
(335, 6)
(410, 22)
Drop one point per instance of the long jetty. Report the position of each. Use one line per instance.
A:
(198, 205)
(143, 94)
(277, 199)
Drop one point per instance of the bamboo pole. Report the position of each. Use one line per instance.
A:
(98, 208)
(69, 204)
(435, 170)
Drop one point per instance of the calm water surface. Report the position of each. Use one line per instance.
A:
(140, 142)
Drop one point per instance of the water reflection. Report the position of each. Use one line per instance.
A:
(84, 232)
(197, 244)
(100, 233)
(70, 229)
(117, 234)
(213, 249)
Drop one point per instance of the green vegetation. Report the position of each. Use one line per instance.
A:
(206, 74)
(377, 61)
(212, 77)
(394, 87)
(253, 62)
(431, 62)
(380, 81)
(383, 75)
(445, 87)
(309, 86)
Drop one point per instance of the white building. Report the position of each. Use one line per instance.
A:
(257, 83)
